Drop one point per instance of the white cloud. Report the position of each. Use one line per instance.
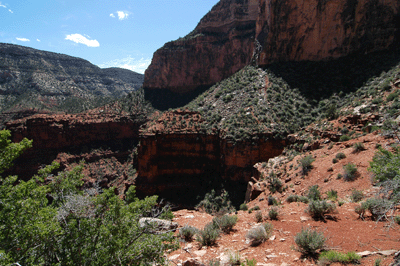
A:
(38, 40)
(122, 15)
(23, 39)
(9, 10)
(131, 63)
(78, 38)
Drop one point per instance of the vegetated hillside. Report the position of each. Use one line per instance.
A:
(40, 80)
(323, 182)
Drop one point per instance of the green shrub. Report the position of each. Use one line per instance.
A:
(356, 195)
(350, 171)
(243, 207)
(225, 223)
(274, 184)
(306, 164)
(385, 165)
(377, 207)
(259, 217)
(392, 96)
(314, 193)
(340, 156)
(234, 258)
(319, 208)
(332, 195)
(309, 241)
(344, 138)
(188, 232)
(272, 200)
(259, 234)
(213, 203)
(208, 236)
(255, 208)
(297, 198)
(397, 219)
(331, 256)
(359, 146)
(273, 213)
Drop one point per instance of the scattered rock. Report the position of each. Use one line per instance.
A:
(192, 262)
(158, 225)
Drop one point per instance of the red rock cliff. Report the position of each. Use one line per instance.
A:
(223, 41)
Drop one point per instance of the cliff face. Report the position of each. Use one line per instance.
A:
(183, 158)
(224, 40)
(102, 138)
(31, 78)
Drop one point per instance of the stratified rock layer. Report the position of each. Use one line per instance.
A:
(224, 40)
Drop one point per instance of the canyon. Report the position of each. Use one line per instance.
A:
(237, 33)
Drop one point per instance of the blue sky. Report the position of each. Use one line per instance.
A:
(112, 33)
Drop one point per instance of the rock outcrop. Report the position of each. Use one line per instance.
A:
(185, 159)
(31, 78)
(103, 138)
(235, 33)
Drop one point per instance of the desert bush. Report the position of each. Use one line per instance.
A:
(334, 160)
(259, 217)
(340, 156)
(272, 200)
(331, 256)
(356, 195)
(243, 207)
(274, 184)
(319, 208)
(259, 234)
(332, 195)
(208, 236)
(357, 147)
(377, 207)
(350, 171)
(344, 138)
(309, 241)
(297, 198)
(255, 208)
(234, 258)
(385, 165)
(397, 219)
(273, 213)
(225, 223)
(314, 193)
(188, 232)
(213, 203)
(306, 164)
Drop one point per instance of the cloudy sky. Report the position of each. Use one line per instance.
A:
(108, 33)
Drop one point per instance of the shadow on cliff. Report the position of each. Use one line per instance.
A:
(320, 80)
(163, 99)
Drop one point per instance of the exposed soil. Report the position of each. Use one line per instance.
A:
(344, 229)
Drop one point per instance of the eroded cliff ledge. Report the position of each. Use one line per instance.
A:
(178, 156)
(290, 30)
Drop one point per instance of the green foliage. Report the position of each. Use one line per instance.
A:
(10, 151)
(385, 165)
(297, 198)
(377, 207)
(309, 241)
(332, 195)
(234, 258)
(350, 171)
(208, 236)
(260, 233)
(272, 200)
(344, 138)
(397, 219)
(273, 213)
(225, 223)
(357, 147)
(248, 262)
(331, 256)
(274, 184)
(340, 156)
(258, 217)
(314, 193)
(356, 195)
(243, 207)
(319, 208)
(188, 232)
(73, 228)
(213, 203)
(306, 164)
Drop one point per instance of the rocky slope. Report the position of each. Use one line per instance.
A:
(41, 80)
(295, 30)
